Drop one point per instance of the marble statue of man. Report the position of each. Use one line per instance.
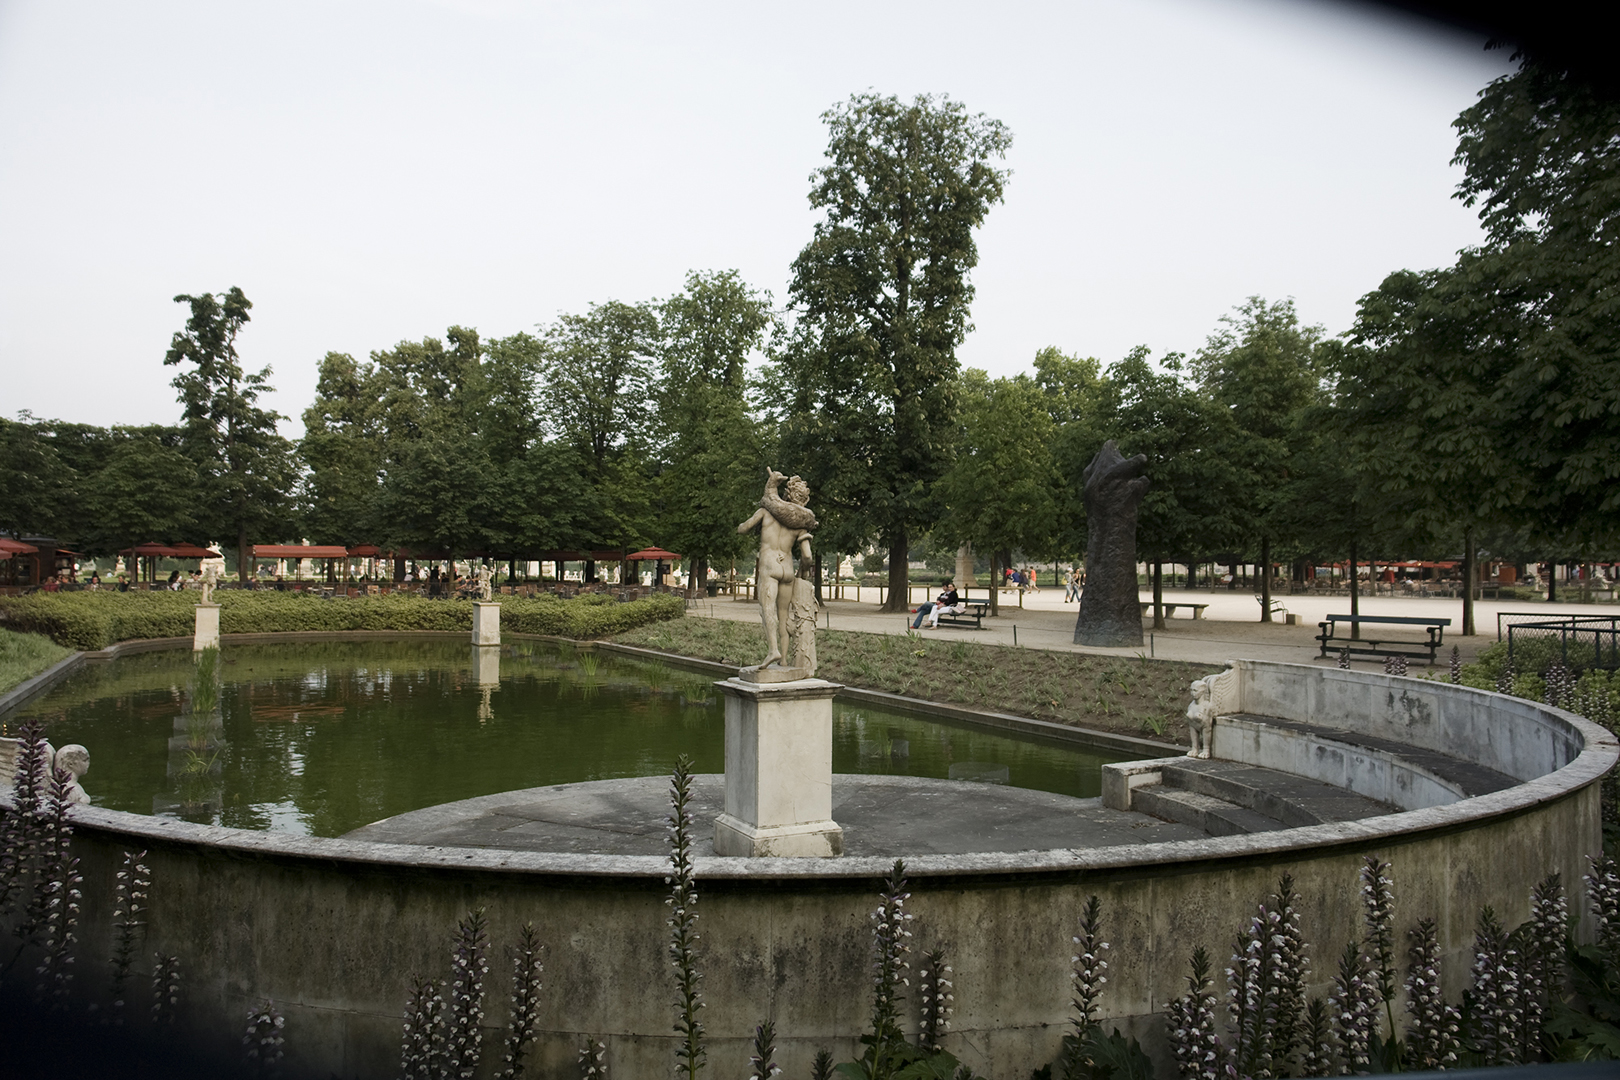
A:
(787, 599)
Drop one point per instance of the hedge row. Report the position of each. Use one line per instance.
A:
(94, 620)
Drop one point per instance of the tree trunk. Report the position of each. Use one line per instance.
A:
(820, 597)
(1355, 593)
(1552, 581)
(1158, 595)
(399, 569)
(995, 583)
(899, 579)
(1468, 582)
(244, 555)
(1265, 579)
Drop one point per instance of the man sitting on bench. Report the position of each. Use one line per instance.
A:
(947, 603)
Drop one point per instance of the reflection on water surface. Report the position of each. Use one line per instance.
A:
(320, 738)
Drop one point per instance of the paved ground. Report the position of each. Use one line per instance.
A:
(1230, 629)
(888, 816)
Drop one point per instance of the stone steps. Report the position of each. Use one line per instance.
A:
(1226, 798)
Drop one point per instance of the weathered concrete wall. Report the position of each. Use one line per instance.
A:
(333, 930)
(1387, 777)
(1508, 734)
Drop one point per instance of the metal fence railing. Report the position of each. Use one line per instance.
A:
(1578, 642)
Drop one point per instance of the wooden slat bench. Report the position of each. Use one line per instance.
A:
(1382, 646)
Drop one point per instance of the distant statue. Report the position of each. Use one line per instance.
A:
(209, 580)
(1110, 612)
(787, 600)
(486, 583)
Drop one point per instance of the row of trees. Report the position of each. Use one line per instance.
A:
(1468, 408)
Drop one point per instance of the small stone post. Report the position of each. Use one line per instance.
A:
(207, 632)
(486, 628)
(778, 769)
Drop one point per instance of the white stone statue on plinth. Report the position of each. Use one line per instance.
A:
(206, 632)
(787, 599)
(779, 715)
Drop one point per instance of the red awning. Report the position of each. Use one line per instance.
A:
(299, 551)
(366, 551)
(652, 554)
(17, 547)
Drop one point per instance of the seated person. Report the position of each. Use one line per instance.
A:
(950, 603)
(947, 601)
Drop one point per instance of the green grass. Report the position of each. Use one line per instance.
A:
(1134, 696)
(22, 656)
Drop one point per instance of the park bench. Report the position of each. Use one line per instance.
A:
(973, 616)
(1170, 609)
(1382, 646)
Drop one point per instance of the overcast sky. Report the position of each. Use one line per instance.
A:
(372, 172)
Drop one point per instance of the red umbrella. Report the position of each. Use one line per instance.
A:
(17, 547)
(652, 554)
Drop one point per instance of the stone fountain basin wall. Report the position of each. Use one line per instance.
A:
(1507, 735)
(333, 930)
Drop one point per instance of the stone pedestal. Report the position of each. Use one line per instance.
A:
(778, 770)
(207, 633)
(486, 623)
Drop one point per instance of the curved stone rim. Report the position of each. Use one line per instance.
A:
(1599, 753)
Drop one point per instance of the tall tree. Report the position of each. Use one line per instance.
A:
(343, 449)
(710, 443)
(597, 397)
(244, 466)
(1001, 490)
(1077, 402)
(1261, 368)
(146, 491)
(1188, 510)
(1540, 152)
(882, 298)
(436, 491)
(1487, 394)
(33, 479)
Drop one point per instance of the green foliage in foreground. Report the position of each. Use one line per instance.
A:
(94, 620)
(22, 656)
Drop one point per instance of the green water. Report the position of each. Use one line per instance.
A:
(320, 738)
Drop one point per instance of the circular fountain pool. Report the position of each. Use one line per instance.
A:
(319, 738)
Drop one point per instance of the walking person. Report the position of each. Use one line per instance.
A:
(1073, 592)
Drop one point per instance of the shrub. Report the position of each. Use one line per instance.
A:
(94, 620)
